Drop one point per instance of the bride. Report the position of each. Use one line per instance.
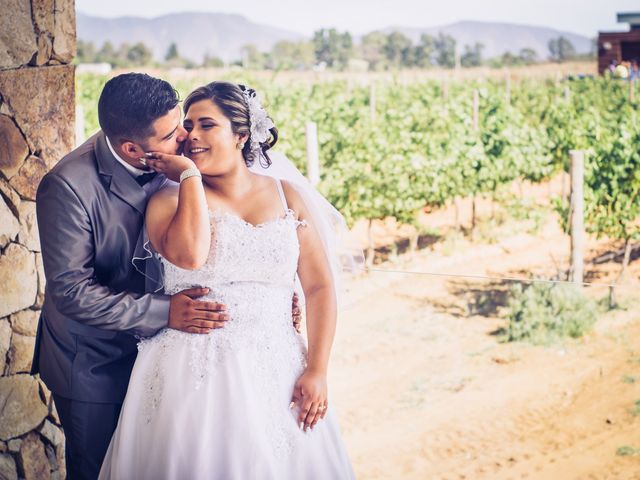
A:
(247, 400)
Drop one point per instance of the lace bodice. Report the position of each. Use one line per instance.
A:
(243, 253)
(251, 270)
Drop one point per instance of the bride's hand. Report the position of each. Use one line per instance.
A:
(169, 165)
(310, 393)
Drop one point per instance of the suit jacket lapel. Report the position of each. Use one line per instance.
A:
(121, 183)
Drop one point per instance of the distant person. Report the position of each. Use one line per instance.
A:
(621, 71)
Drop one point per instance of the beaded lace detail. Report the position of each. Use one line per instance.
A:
(251, 269)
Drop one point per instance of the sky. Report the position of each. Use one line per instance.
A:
(585, 17)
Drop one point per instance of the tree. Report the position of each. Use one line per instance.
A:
(593, 50)
(86, 52)
(507, 59)
(445, 48)
(172, 53)
(423, 52)
(528, 56)
(106, 54)
(211, 61)
(120, 58)
(139, 55)
(332, 48)
(397, 50)
(372, 50)
(173, 59)
(472, 56)
(565, 49)
(561, 49)
(292, 55)
(252, 58)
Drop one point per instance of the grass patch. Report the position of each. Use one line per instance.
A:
(544, 313)
(627, 451)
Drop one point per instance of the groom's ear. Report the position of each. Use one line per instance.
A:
(132, 150)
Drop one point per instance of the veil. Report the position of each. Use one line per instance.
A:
(343, 255)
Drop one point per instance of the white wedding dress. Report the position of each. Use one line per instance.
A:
(216, 406)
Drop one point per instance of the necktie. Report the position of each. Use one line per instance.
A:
(145, 178)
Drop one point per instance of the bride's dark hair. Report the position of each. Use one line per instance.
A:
(229, 98)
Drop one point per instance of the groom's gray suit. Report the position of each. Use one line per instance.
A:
(90, 215)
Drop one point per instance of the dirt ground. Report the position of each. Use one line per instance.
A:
(424, 389)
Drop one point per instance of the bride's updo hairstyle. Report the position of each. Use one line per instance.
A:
(230, 98)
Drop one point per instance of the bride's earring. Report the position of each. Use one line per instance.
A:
(240, 145)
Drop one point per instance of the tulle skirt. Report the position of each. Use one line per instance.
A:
(200, 408)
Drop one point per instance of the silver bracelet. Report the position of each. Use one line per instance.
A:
(190, 172)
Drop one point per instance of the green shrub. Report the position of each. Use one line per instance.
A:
(545, 312)
(627, 451)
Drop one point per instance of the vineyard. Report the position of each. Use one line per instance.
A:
(392, 150)
(425, 385)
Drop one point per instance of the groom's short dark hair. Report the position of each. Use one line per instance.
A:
(131, 102)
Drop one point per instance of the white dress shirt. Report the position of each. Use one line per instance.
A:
(136, 172)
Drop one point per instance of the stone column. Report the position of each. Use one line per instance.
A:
(37, 105)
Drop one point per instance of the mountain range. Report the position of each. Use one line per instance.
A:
(223, 35)
(195, 34)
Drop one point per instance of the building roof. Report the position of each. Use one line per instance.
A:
(632, 18)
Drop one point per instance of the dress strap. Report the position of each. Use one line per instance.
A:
(281, 192)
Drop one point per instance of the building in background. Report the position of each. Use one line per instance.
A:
(615, 48)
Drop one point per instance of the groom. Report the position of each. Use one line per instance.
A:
(90, 209)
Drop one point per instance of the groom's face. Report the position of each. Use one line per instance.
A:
(168, 137)
(169, 134)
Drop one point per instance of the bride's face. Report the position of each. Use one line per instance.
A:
(211, 143)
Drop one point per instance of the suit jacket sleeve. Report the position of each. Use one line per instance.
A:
(68, 256)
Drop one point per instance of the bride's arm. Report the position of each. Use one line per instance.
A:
(177, 219)
(321, 312)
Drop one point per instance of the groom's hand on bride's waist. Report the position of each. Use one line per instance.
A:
(296, 313)
(188, 314)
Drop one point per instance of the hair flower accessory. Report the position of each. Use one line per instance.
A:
(260, 123)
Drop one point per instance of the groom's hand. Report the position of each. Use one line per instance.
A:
(195, 316)
(169, 165)
(296, 312)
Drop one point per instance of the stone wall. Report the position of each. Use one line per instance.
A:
(37, 45)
